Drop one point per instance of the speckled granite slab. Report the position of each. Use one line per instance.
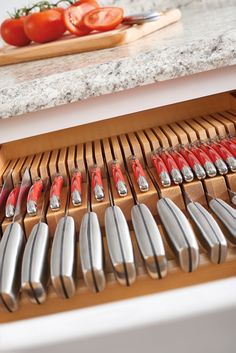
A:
(205, 39)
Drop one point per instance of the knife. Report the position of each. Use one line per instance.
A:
(119, 242)
(145, 228)
(11, 251)
(91, 244)
(34, 272)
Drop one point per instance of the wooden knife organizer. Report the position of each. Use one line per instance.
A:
(62, 151)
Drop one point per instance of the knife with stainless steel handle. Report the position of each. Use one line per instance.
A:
(180, 233)
(149, 241)
(34, 272)
(213, 237)
(62, 262)
(226, 214)
(120, 245)
(91, 252)
(11, 251)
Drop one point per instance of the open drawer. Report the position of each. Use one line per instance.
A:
(100, 144)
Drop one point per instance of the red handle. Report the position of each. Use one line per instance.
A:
(229, 145)
(139, 174)
(35, 191)
(118, 178)
(159, 164)
(97, 183)
(76, 181)
(222, 151)
(169, 161)
(56, 186)
(183, 166)
(179, 160)
(201, 155)
(161, 170)
(137, 168)
(193, 162)
(11, 202)
(212, 154)
(55, 192)
(117, 174)
(13, 196)
(76, 188)
(96, 175)
(189, 156)
(172, 167)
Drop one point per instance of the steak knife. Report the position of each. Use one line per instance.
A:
(34, 272)
(11, 251)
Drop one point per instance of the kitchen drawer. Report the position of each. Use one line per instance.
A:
(139, 133)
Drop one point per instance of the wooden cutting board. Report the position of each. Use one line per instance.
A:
(95, 41)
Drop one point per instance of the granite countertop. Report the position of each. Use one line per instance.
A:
(204, 39)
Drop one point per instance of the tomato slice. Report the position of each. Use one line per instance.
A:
(73, 17)
(104, 18)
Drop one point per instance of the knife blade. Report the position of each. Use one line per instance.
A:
(226, 214)
(213, 237)
(62, 262)
(91, 252)
(180, 233)
(120, 246)
(11, 251)
(149, 241)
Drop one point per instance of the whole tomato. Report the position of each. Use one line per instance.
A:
(45, 26)
(13, 33)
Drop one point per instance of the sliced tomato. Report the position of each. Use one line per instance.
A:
(73, 17)
(104, 18)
